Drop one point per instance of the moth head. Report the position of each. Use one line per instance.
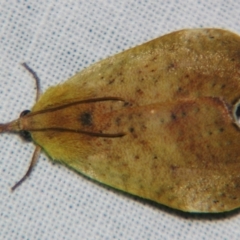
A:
(26, 135)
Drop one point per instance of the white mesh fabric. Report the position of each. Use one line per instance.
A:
(58, 38)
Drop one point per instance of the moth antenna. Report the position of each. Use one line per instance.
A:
(94, 134)
(35, 76)
(91, 100)
(104, 135)
(35, 157)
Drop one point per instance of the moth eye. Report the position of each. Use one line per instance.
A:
(236, 112)
(25, 112)
(26, 135)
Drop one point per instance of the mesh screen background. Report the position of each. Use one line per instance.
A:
(58, 38)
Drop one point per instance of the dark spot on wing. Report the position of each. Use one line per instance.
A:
(131, 129)
(86, 119)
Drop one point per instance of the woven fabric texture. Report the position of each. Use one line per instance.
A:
(58, 38)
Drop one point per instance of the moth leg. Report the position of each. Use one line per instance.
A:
(35, 157)
(35, 76)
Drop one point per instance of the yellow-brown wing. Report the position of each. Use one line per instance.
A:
(186, 63)
(181, 142)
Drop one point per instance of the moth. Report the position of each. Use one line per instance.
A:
(160, 121)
